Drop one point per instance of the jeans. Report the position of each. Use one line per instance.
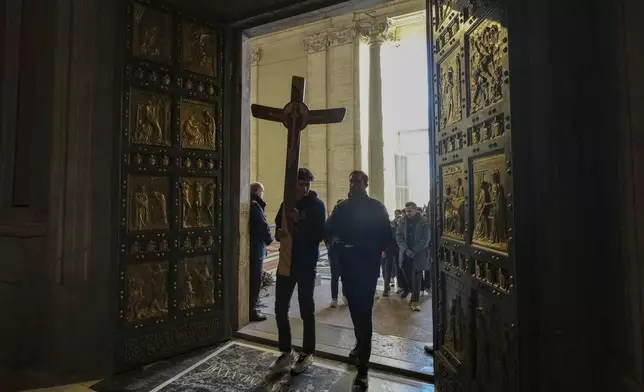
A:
(284, 287)
(388, 269)
(413, 279)
(256, 268)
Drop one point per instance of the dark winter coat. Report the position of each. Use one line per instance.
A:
(421, 242)
(308, 232)
(260, 231)
(360, 226)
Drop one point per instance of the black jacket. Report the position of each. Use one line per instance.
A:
(362, 222)
(308, 231)
(260, 231)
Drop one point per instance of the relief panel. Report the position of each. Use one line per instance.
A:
(486, 131)
(198, 197)
(486, 51)
(491, 208)
(198, 125)
(450, 89)
(443, 8)
(147, 291)
(454, 322)
(494, 361)
(196, 282)
(453, 201)
(151, 118)
(152, 34)
(148, 203)
(199, 49)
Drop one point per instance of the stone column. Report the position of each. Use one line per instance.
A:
(316, 98)
(375, 33)
(254, 67)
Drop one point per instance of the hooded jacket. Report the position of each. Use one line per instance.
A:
(308, 231)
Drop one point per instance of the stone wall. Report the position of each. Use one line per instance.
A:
(327, 53)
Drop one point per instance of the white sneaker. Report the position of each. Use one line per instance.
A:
(301, 364)
(334, 303)
(282, 364)
(345, 300)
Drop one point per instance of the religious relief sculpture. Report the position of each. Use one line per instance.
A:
(152, 34)
(147, 291)
(198, 202)
(196, 282)
(453, 202)
(148, 203)
(199, 49)
(490, 218)
(443, 8)
(487, 130)
(198, 125)
(151, 120)
(486, 64)
(450, 90)
(454, 334)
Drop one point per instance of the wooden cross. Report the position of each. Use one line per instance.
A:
(295, 116)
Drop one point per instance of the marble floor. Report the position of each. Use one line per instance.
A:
(240, 366)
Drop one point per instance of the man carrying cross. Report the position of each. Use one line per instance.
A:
(300, 224)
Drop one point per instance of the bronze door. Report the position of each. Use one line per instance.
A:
(475, 307)
(170, 250)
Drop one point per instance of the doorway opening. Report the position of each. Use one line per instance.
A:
(373, 62)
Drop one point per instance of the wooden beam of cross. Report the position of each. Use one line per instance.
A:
(295, 116)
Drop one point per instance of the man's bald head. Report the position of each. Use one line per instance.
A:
(257, 189)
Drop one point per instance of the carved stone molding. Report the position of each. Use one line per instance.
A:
(255, 55)
(377, 30)
(342, 36)
(316, 42)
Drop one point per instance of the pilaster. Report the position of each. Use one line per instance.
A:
(341, 138)
(315, 138)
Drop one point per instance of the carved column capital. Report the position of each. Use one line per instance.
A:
(377, 30)
(316, 42)
(255, 55)
(342, 36)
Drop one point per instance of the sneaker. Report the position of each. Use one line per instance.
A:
(415, 307)
(282, 364)
(361, 382)
(334, 303)
(301, 364)
(345, 300)
(256, 317)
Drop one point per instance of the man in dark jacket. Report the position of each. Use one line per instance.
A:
(260, 238)
(308, 233)
(359, 230)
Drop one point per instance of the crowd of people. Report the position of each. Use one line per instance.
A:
(362, 243)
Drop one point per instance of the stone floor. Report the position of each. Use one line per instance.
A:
(240, 366)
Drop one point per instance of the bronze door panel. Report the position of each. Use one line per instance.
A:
(473, 197)
(171, 283)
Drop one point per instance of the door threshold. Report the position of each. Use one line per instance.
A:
(421, 372)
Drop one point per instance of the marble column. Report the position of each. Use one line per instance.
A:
(375, 33)
(315, 149)
(254, 68)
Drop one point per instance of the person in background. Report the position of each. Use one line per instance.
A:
(390, 257)
(260, 238)
(309, 218)
(335, 271)
(400, 277)
(359, 229)
(413, 240)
